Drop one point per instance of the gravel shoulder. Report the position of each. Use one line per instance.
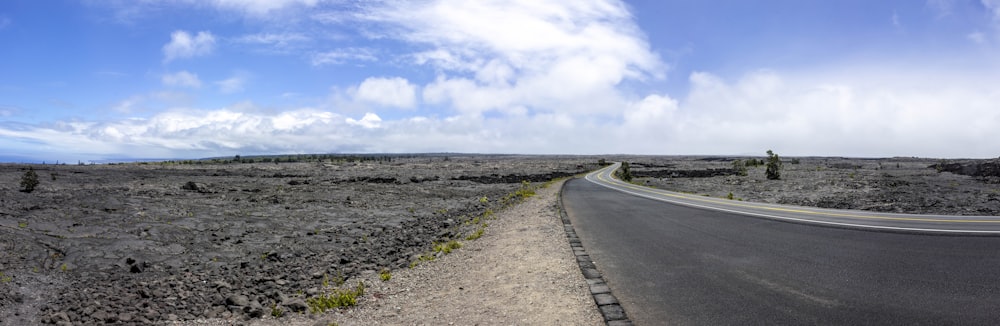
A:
(520, 272)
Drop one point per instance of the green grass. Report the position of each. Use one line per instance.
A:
(276, 311)
(447, 247)
(5, 278)
(336, 299)
(477, 234)
(385, 275)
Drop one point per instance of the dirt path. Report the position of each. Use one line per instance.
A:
(520, 272)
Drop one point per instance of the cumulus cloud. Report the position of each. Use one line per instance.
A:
(184, 45)
(836, 115)
(511, 55)
(181, 79)
(529, 76)
(389, 92)
(369, 121)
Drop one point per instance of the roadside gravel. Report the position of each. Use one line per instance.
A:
(522, 271)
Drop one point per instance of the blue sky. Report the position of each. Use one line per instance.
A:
(116, 79)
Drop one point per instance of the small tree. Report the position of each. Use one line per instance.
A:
(773, 166)
(625, 173)
(29, 181)
(740, 168)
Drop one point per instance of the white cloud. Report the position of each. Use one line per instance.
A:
(909, 113)
(261, 7)
(369, 121)
(231, 85)
(184, 45)
(4, 22)
(272, 38)
(342, 56)
(390, 92)
(181, 79)
(512, 55)
(275, 42)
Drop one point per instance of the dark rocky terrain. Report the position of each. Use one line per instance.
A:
(898, 185)
(155, 242)
(142, 243)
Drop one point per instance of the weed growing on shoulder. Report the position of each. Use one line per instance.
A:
(276, 312)
(526, 190)
(385, 275)
(336, 299)
(477, 234)
(447, 247)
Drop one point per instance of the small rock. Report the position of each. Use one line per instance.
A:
(58, 317)
(238, 300)
(296, 305)
(221, 285)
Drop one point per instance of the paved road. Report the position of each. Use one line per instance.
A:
(683, 265)
(911, 223)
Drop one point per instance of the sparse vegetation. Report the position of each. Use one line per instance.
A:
(5, 278)
(773, 166)
(477, 234)
(276, 311)
(624, 173)
(740, 167)
(336, 299)
(29, 180)
(729, 196)
(385, 275)
(447, 247)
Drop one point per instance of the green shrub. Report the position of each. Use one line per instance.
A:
(29, 181)
(773, 166)
(624, 172)
(740, 168)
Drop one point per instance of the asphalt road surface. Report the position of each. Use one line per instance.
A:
(673, 264)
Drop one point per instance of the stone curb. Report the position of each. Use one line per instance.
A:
(607, 303)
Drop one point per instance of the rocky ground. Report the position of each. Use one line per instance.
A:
(142, 243)
(236, 242)
(898, 185)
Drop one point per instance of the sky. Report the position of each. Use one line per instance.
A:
(94, 80)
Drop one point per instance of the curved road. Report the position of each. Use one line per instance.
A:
(688, 260)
